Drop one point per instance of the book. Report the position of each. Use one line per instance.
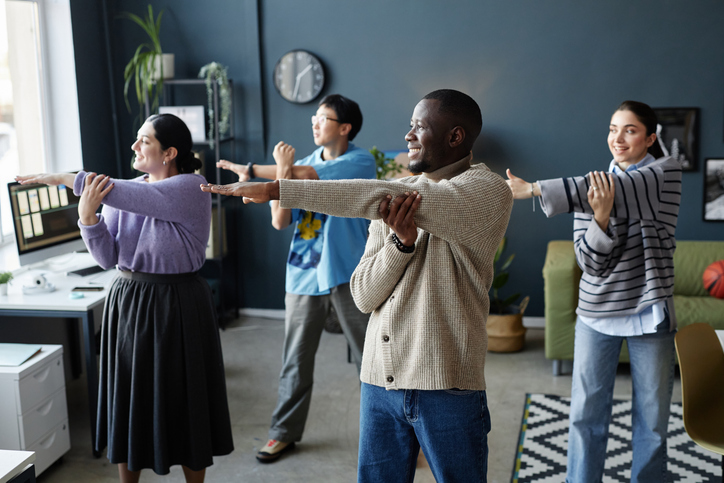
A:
(17, 354)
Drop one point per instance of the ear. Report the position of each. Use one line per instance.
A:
(650, 140)
(345, 128)
(456, 136)
(170, 154)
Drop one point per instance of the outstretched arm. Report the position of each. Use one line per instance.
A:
(52, 179)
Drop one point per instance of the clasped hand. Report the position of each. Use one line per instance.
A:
(399, 214)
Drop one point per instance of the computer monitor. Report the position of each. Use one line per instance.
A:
(45, 219)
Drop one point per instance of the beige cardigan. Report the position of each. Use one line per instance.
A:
(429, 308)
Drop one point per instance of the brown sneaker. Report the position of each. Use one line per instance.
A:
(273, 450)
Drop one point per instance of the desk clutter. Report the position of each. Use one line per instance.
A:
(33, 409)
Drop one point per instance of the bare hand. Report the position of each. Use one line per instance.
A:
(601, 195)
(52, 179)
(250, 192)
(95, 189)
(283, 154)
(521, 189)
(242, 171)
(399, 214)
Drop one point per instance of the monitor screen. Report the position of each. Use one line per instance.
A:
(45, 219)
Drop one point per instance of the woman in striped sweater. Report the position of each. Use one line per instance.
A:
(624, 227)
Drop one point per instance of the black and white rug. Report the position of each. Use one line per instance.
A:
(544, 439)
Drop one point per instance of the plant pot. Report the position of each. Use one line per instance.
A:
(505, 331)
(3, 289)
(168, 63)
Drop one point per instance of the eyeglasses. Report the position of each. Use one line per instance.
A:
(322, 120)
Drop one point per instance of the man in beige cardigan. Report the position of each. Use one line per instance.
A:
(424, 276)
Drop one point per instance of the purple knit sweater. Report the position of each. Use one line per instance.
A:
(159, 227)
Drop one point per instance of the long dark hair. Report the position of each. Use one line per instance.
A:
(647, 117)
(171, 131)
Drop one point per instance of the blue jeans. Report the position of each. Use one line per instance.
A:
(450, 426)
(594, 372)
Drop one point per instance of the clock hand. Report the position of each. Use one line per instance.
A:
(299, 78)
(296, 88)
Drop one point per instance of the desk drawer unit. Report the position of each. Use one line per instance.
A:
(51, 446)
(33, 407)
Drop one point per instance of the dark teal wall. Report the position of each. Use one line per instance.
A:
(547, 75)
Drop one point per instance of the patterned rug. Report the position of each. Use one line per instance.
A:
(544, 438)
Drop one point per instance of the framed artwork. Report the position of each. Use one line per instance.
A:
(678, 134)
(714, 189)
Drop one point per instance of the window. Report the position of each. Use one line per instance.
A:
(39, 122)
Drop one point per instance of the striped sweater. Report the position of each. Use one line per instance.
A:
(631, 265)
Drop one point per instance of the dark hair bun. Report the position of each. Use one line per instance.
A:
(188, 164)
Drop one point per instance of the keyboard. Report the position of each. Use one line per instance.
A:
(104, 277)
(84, 272)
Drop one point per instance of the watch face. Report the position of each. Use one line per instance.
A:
(299, 76)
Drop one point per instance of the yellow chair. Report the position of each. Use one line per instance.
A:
(701, 363)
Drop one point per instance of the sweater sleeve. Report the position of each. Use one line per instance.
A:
(100, 239)
(594, 248)
(160, 200)
(643, 194)
(453, 210)
(379, 270)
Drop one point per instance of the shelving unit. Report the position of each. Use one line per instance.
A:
(168, 99)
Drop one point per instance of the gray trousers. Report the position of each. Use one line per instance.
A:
(304, 322)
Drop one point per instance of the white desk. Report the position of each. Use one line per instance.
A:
(57, 304)
(12, 463)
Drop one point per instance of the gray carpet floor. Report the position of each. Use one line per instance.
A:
(328, 452)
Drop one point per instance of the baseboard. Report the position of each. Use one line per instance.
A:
(263, 313)
(528, 322)
(534, 322)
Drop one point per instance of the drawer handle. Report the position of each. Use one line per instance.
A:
(41, 376)
(46, 408)
(48, 441)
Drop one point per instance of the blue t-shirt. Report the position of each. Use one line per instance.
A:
(325, 249)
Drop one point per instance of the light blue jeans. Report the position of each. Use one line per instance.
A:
(451, 426)
(594, 372)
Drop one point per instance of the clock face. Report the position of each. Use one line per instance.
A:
(299, 76)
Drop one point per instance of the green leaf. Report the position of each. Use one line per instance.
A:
(511, 299)
(500, 280)
(508, 262)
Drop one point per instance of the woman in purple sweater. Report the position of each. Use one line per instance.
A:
(162, 390)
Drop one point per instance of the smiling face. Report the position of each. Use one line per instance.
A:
(627, 138)
(426, 140)
(149, 153)
(330, 132)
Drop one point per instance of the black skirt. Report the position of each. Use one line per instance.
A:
(162, 388)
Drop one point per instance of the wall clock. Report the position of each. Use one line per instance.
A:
(299, 76)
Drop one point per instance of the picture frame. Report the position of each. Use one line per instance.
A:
(678, 134)
(714, 189)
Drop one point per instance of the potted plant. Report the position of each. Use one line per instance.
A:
(386, 167)
(505, 320)
(149, 66)
(217, 73)
(5, 277)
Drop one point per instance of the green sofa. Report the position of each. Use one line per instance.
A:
(562, 274)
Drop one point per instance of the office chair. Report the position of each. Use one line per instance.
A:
(701, 364)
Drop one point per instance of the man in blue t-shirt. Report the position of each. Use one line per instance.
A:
(324, 252)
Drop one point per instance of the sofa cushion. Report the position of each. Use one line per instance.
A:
(707, 309)
(690, 260)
